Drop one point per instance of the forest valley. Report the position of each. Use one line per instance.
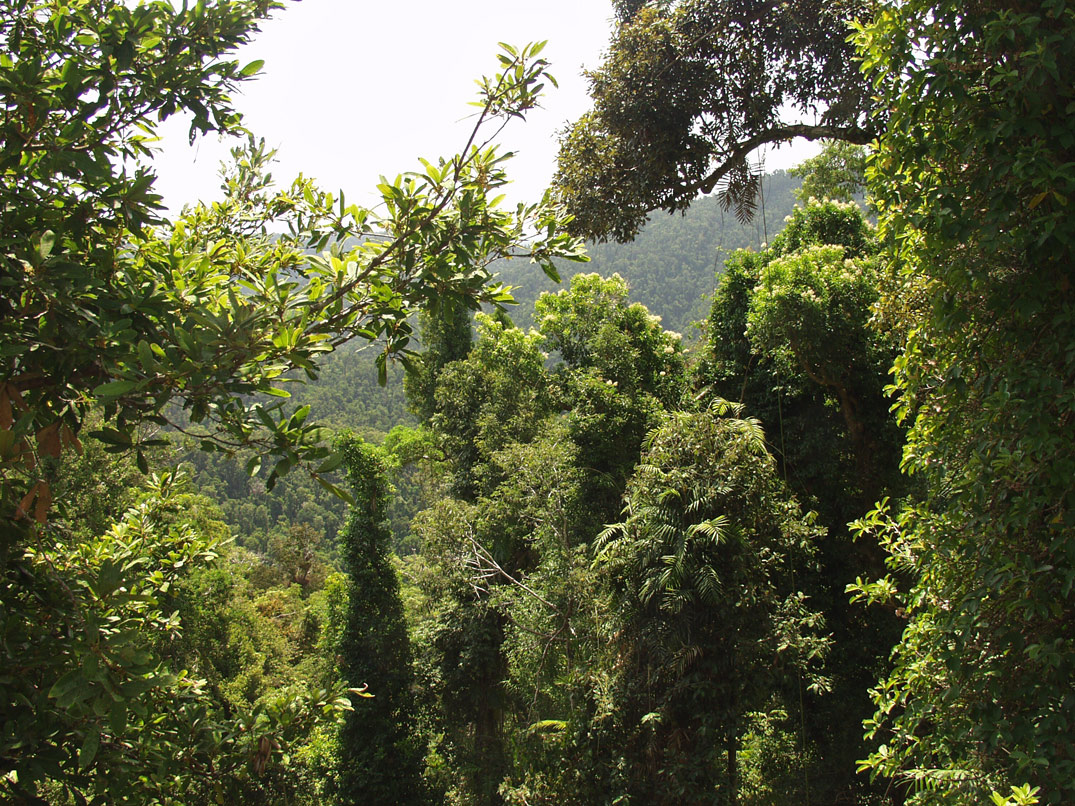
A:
(298, 507)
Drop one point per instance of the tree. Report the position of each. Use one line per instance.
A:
(620, 370)
(145, 316)
(446, 336)
(708, 621)
(973, 179)
(553, 640)
(790, 337)
(690, 89)
(498, 394)
(295, 555)
(810, 313)
(379, 755)
(593, 325)
(495, 398)
(538, 459)
(837, 173)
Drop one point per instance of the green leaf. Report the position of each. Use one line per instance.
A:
(111, 436)
(48, 241)
(117, 719)
(252, 68)
(64, 684)
(146, 357)
(549, 268)
(89, 748)
(339, 492)
(330, 463)
(115, 388)
(299, 417)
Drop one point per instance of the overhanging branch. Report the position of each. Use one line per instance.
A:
(779, 134)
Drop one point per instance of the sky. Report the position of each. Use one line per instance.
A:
(353, 90)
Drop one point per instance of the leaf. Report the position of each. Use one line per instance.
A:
(115, 388)
(548, 726)
(111, 436)
(252, 68)
(549, 268)
(117, 719)
(48, 241)
(265, 418)
(88, 750)
(331, 463)
(66, 682)
(337, 491)
(44, 501)
(146, 357)
(299, 417)
(48, 440)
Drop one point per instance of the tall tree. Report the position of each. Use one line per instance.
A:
(380, 754)
(620, 370)
(709, 623)
(790, 337)
(538, 462)
(974, 178)
(445, 335)
(497, 397)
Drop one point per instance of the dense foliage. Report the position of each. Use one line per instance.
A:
(598, 562)
(706, 617)
(111, 310)
(973, 180)
(789, 338)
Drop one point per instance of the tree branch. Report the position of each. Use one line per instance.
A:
(779, 134)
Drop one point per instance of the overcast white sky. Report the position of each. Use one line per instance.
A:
(352, 90)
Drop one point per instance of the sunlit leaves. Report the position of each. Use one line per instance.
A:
(215, 309)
